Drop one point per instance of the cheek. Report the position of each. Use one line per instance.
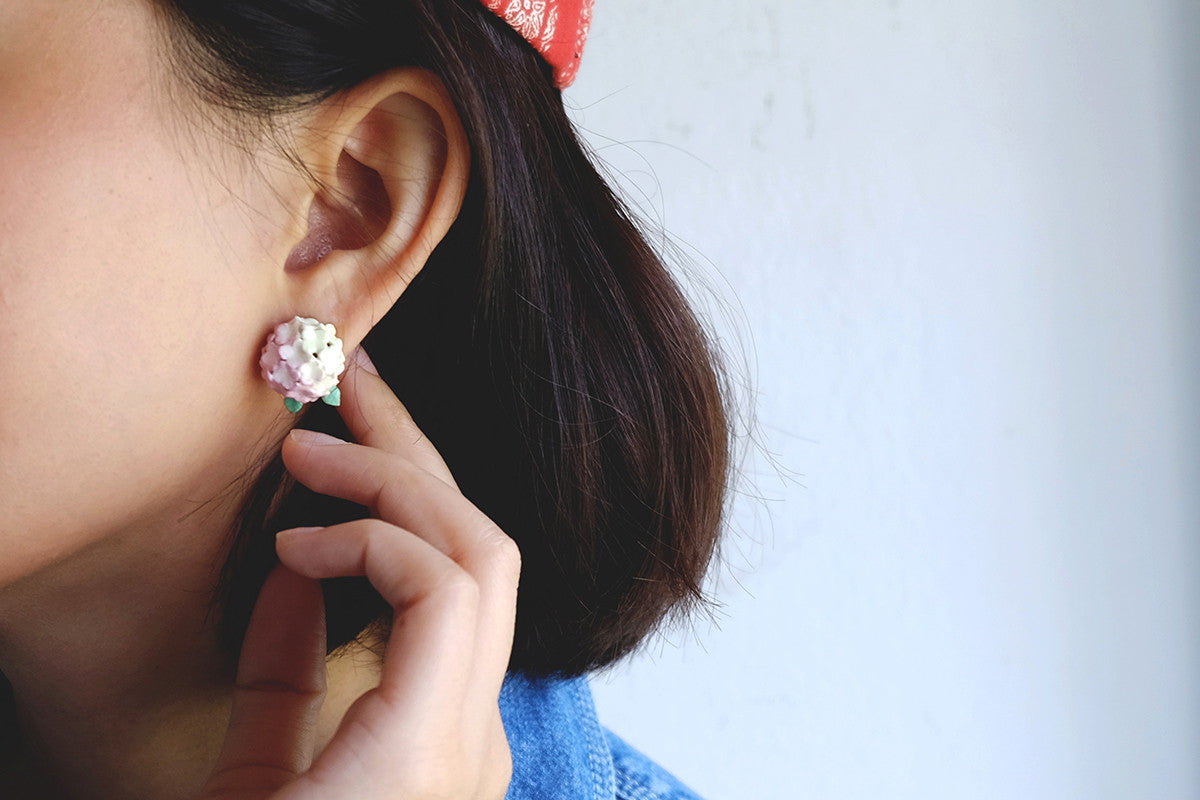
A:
(128, 351)
(128, 334)
(120, 346)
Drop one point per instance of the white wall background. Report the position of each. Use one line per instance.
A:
(963, 238)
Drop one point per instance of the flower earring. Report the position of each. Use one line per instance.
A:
(302, 360)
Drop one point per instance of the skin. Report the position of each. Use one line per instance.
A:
(144, 257)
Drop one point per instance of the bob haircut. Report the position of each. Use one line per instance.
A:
(544, 348)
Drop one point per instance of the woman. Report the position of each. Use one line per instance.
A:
(181, 178)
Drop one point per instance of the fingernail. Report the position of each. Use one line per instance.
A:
(313, 438)
(364, 361)
(290, 532)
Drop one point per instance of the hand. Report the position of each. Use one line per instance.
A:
(432, 727)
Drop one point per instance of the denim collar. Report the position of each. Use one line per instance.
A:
(559, 750)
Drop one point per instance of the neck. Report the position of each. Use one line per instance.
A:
(119, 684)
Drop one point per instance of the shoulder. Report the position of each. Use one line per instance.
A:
(561, 752)
(639, 778)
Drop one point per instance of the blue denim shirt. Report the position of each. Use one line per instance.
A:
(561, 752)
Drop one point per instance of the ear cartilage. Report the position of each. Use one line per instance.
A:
(303, 360)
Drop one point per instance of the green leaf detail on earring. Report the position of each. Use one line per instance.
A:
(292, 404)
(334, 398)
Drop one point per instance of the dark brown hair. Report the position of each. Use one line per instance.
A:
(544, 348)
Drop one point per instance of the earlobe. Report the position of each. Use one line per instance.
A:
(392, 163)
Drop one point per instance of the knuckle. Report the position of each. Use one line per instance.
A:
(506, 555)
(500, 553)
(399, 480)
(372, 536)
(456, 587)
(367, 532)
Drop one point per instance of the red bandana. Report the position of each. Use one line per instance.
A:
(556, 28)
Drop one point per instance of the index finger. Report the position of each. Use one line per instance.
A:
(377, 418)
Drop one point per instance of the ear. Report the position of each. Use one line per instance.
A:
(391, 164)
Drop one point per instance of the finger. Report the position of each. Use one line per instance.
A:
(426, 697)
(377, 418)
(435, 601)
(407, 496)
(466, 657)
(279, 690)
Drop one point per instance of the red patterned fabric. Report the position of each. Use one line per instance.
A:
(556, 28)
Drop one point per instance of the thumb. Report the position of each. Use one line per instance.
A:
(280, 687)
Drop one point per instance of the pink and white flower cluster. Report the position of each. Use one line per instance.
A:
(303, 360)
